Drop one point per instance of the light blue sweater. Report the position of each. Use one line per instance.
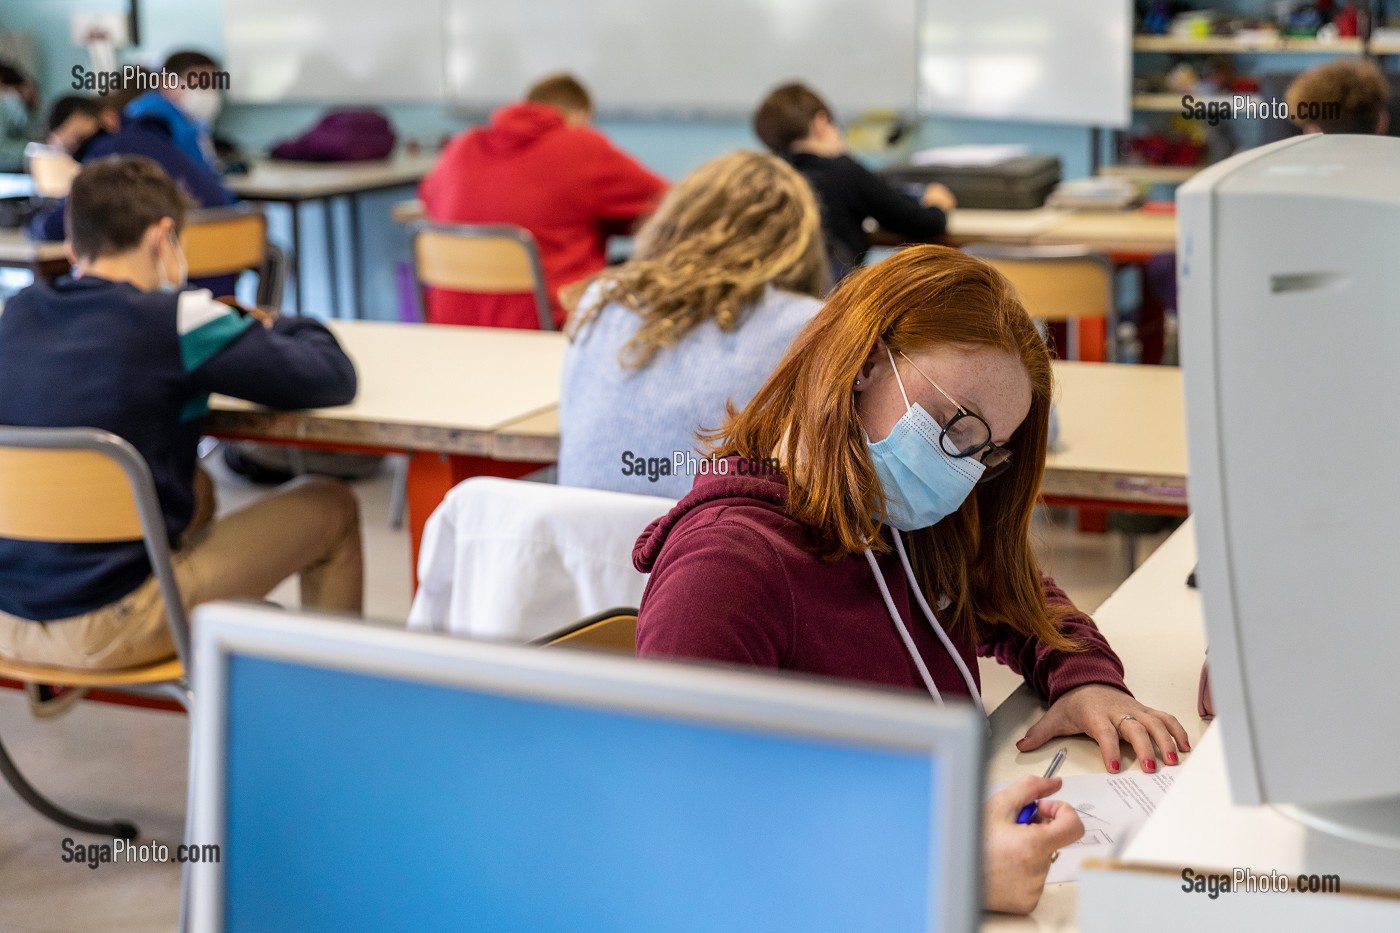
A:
(634, 430)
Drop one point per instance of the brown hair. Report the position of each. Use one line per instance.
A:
(1357, 89)
(731, 228)
(786, 115)
(115, 200)
(563, 91)
(980, 557)
(186, 60)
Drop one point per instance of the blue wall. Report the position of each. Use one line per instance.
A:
(671, 147)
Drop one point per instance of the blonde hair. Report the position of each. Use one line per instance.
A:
(731, 228)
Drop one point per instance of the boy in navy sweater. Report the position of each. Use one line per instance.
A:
(121, 348)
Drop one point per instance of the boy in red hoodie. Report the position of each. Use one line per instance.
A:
(540, 166)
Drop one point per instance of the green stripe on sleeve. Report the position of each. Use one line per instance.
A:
(197, 346)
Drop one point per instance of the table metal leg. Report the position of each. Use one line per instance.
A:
(333, 287)
(296, 254)
(357, 269)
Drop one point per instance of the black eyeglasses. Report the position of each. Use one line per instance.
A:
(967, 434)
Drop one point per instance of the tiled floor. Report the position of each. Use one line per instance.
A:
(106, 760)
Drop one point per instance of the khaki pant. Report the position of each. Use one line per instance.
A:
(309, 526)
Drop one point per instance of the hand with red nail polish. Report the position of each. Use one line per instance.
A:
(1110, 717)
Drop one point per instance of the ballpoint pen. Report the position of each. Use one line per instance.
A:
(1028, 812)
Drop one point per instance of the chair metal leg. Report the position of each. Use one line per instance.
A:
(398, 494)
(117, 829)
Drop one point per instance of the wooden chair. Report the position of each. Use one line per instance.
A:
(229, 241)
(52, 169)
(610, 630)
(80, 485)
(497, 259)
(1062, 284)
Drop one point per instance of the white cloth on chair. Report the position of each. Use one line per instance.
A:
(514, 560)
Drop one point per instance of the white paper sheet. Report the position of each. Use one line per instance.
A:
(1112, 808)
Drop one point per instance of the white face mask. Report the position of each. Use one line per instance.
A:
(165, 284)
(201, 106)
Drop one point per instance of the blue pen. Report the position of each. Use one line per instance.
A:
(1028, 812)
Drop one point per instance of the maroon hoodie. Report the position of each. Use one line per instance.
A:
(731, 581)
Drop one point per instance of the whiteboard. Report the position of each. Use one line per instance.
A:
(335, 51)
(666, 56)
(678, 55)
(1053, 61)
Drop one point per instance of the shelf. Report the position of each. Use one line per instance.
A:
(1232, 45)
(1152, 174)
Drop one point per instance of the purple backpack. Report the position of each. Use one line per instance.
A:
(341, 136)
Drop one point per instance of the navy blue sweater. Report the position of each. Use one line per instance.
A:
(94, 353)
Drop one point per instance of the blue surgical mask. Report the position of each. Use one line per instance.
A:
(923, 484)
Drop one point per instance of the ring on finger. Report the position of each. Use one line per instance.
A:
(1054, 855)
(1125, 719)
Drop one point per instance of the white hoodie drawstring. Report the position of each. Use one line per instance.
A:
(933, 621)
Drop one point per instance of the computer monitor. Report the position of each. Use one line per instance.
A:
(1290, 324)
(363, 778)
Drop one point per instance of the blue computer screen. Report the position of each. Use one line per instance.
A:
(358, 802)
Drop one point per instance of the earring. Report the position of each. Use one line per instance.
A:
(857, 383)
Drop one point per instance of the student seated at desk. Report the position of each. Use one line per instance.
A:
(120, 348)
(540, 166)
(874, 525)
(187, 109)
(725, 274)
(796, 124)
(151, 135)
(19, 99)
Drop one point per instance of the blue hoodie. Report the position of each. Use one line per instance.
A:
(189, 137)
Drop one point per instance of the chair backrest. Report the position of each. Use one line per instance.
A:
(82, 485)
(497, 259)
(609, 630)
(224, 241)
(510, 560)
(52, 169)
(1058, 283)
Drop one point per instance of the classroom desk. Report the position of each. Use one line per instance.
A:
(1126, 236)
(1122, 438)
(1154, 622)
(436, 393)
(45, 260)
(294, 183)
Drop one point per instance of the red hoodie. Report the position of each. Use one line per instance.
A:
(731, 581)
(568, 186)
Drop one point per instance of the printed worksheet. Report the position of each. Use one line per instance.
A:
(1112, 807)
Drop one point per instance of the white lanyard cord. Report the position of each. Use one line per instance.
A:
(937, 627)
(903, 630)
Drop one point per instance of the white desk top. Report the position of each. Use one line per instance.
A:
(281, 180)
(422, 387)
(973, 224)
(16, 247)
(1155, 624)
(1122, 433)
